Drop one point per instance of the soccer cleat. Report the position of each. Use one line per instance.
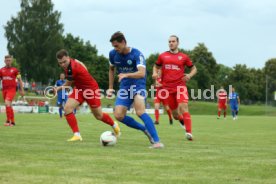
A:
(171, 121)
(75, 138)
(157, 145)
(12, 124)
(7, 124)
(149, 136)
(156, 122)
(189, 136)
(218, 117)
(117, 130)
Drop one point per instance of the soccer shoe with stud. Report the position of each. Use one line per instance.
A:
(75, 138)
(171, 121)
(189, 136)
(156, 123)
(117, 130)
(12, 124)
(157, 145)
(7, 124)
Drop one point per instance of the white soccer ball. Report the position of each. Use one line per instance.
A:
(108, 138)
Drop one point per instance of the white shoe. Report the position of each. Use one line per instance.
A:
(189, 136)
(157, 145)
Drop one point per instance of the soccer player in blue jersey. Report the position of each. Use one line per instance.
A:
(234, 101)
(131, 67)
(61, 95)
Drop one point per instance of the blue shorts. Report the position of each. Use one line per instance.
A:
(234, 107)
(125, 97)
(61, 101)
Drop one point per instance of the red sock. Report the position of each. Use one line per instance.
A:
(72, 122)
(188, 122)
(218, 113)
(12, 114)
(107, 119)
(169, 112)
(8, 113)
(225, 114)
(156, 112)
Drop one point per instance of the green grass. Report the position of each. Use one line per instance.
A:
(224, 151)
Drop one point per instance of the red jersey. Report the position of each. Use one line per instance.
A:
(222, 97)
(78, 73)
(173, 68)
(158, 84)
(8, 76)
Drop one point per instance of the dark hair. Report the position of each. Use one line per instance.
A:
(118, 36)
(61, 53)
(8, 56)
(177, 39)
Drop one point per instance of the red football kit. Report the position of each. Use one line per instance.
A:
(159, 97)
(173, 68)
(8, 76)
(86, 88)
(222, 99)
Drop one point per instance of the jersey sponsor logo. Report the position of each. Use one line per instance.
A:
(126, 69)
(171, 67)
(117, 62)
(180, 57)
(7, 78)
(129, 62)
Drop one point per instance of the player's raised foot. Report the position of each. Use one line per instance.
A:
(156, 122)
(171, 121)
(149, 136)
(157, 145)
(116, 129)
(12, 124)
(7, 123)
(189, 136)
(75, 138)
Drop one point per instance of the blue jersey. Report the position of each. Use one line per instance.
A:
(233, 98)
(60, 83)
(128, 63)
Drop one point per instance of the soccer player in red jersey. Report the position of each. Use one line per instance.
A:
(85, 89)
(222, 102)
(174, 80)
(8, 75)
(158, 99)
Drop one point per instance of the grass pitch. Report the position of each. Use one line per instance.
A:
(224, 151)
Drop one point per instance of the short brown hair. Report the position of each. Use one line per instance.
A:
(8, 56)
(61, 53)
(118, 36)
(177, 39)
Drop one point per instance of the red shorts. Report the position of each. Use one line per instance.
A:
(175, 98)
(222, 106)
(9, 94)
(91, 96)
(159, 98)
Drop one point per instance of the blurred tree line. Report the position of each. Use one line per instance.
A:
(35, 34)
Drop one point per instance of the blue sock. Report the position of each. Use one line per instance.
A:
(60, 112)
(150, 126)
(129, 121)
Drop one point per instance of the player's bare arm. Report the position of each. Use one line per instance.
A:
(136, 75)
(188, 76)
(111, 80)
(155, 71)
(21, 91)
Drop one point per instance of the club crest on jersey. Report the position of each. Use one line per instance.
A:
(129, 62)
(179, 57)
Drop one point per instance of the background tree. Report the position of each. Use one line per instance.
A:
(34, 36)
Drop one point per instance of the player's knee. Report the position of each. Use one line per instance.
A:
(68, 109)
(119, 116)
(184, 108)
(140, 112)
